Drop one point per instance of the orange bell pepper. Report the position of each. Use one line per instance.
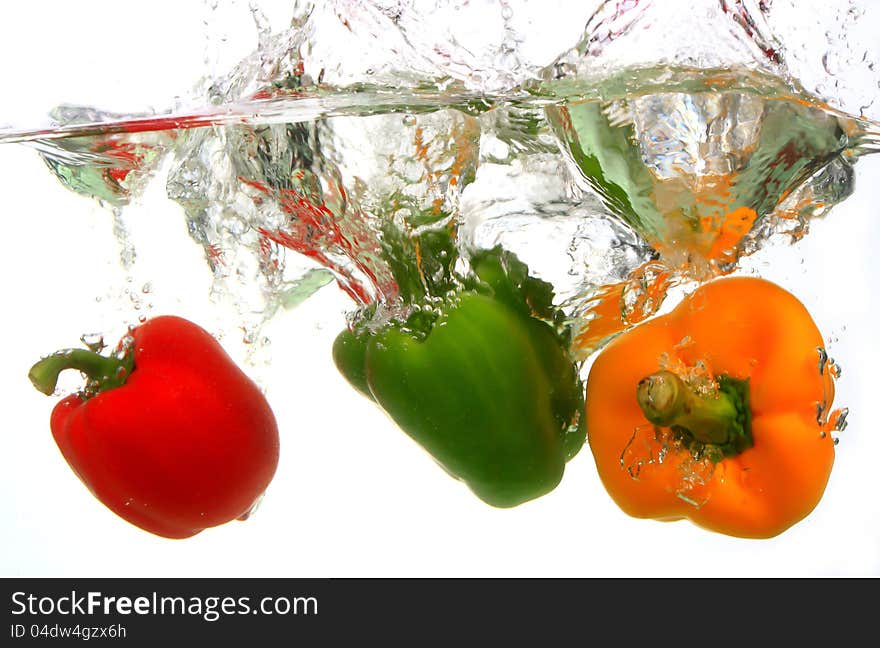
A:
(716, 412)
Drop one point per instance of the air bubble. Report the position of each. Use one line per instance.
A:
(840, 422)
(834, 369)
(823, 360)
(93, 341)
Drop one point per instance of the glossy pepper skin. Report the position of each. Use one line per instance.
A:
(487, 388)
(777, 462)
(174, 437)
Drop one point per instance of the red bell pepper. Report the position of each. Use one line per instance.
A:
(169, 432)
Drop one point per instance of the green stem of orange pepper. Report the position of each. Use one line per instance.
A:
(666, 401)
(719, 419)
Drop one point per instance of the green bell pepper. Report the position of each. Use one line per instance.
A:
(482, 380)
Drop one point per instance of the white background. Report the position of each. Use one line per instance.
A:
(352, 496)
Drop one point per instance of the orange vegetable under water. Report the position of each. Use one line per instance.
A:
(735, 384)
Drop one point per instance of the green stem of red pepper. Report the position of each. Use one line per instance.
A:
(103, 372)
(168, 432)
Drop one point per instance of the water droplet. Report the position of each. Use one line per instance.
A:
(840, 422)
(829, 64)
(823, 359)
(834, 369)
(643, 450)
(684, 343)
(820, 413)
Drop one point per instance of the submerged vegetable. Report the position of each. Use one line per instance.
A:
(169, 433)
(728, 392)
(482, 383)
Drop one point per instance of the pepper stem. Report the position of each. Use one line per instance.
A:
(721, 419)
(103, 372)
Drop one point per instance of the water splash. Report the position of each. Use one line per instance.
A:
(644, 449)
(651, 447)
(616, 172)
